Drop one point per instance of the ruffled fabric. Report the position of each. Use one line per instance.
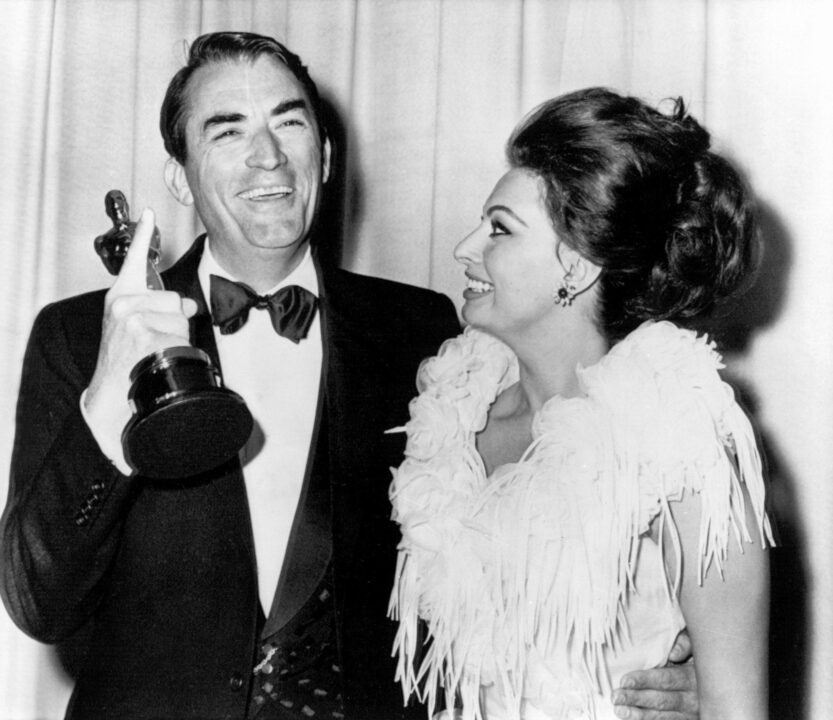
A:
(537, 560)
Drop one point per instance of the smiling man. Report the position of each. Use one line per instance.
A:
(254, 165)
(258, 589)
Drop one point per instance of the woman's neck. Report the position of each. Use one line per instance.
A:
(547, 368)
(548, 363)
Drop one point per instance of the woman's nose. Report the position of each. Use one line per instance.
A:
(469, 249)
(265, 151)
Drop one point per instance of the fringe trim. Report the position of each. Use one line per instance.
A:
(542, 554)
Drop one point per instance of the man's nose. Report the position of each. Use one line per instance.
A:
(265, 151)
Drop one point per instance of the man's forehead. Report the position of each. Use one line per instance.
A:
(219, 85)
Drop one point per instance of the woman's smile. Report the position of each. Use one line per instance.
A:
(476, 288)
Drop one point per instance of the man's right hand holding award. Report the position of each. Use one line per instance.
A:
(155, 404)
(137, 322)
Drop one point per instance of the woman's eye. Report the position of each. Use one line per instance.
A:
(498, 229)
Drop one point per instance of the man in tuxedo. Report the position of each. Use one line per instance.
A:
(258, 588)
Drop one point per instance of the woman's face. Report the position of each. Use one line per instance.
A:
(511, 263)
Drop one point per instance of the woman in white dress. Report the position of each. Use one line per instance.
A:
(579, 483)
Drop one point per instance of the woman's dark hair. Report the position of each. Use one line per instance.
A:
(640, 194)
(224, 47)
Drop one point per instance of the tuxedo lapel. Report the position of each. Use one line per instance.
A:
(354, 394)
(183, 278)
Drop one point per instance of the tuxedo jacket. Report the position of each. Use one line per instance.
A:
(163, 574)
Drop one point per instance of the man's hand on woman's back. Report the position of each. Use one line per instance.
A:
(665, 693)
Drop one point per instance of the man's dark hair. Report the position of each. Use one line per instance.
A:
(224, 47)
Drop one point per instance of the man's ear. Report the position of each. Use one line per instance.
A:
(582, 272)
(177, 183)
(326, 155)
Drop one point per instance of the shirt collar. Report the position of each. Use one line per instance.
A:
(304, 274)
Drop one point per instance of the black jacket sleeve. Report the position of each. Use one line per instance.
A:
(66, 501)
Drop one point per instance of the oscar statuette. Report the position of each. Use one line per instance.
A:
(185, 421)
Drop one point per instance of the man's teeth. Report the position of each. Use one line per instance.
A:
(266, 192)
(479, 285)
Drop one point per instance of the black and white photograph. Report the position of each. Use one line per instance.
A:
(416, 359)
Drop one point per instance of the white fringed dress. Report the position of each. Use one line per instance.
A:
(539, 584)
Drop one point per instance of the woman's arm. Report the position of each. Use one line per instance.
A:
(727, 617)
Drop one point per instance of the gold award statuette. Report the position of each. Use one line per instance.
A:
(185, 421)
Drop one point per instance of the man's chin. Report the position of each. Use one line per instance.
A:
(257, 248)
(268, 239)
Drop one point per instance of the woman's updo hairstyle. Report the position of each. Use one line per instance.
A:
(640, 194)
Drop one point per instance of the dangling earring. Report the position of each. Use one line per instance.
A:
(566, 292)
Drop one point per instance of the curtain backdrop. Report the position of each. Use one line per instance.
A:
(423, 95)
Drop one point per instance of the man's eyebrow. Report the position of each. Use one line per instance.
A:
(508, 211)
(289, 105)
(279, 109)
(221, 119)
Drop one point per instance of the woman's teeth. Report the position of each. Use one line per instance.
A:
(478, 286)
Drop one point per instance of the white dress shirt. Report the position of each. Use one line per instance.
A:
(279, 380)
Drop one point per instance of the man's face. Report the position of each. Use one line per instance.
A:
(255, 163)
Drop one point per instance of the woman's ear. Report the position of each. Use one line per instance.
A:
(177, 182)
(578, 270)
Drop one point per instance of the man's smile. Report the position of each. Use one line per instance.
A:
(269, 192)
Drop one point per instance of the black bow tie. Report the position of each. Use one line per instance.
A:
(291, 308)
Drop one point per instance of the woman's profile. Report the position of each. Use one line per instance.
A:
(579, 483)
